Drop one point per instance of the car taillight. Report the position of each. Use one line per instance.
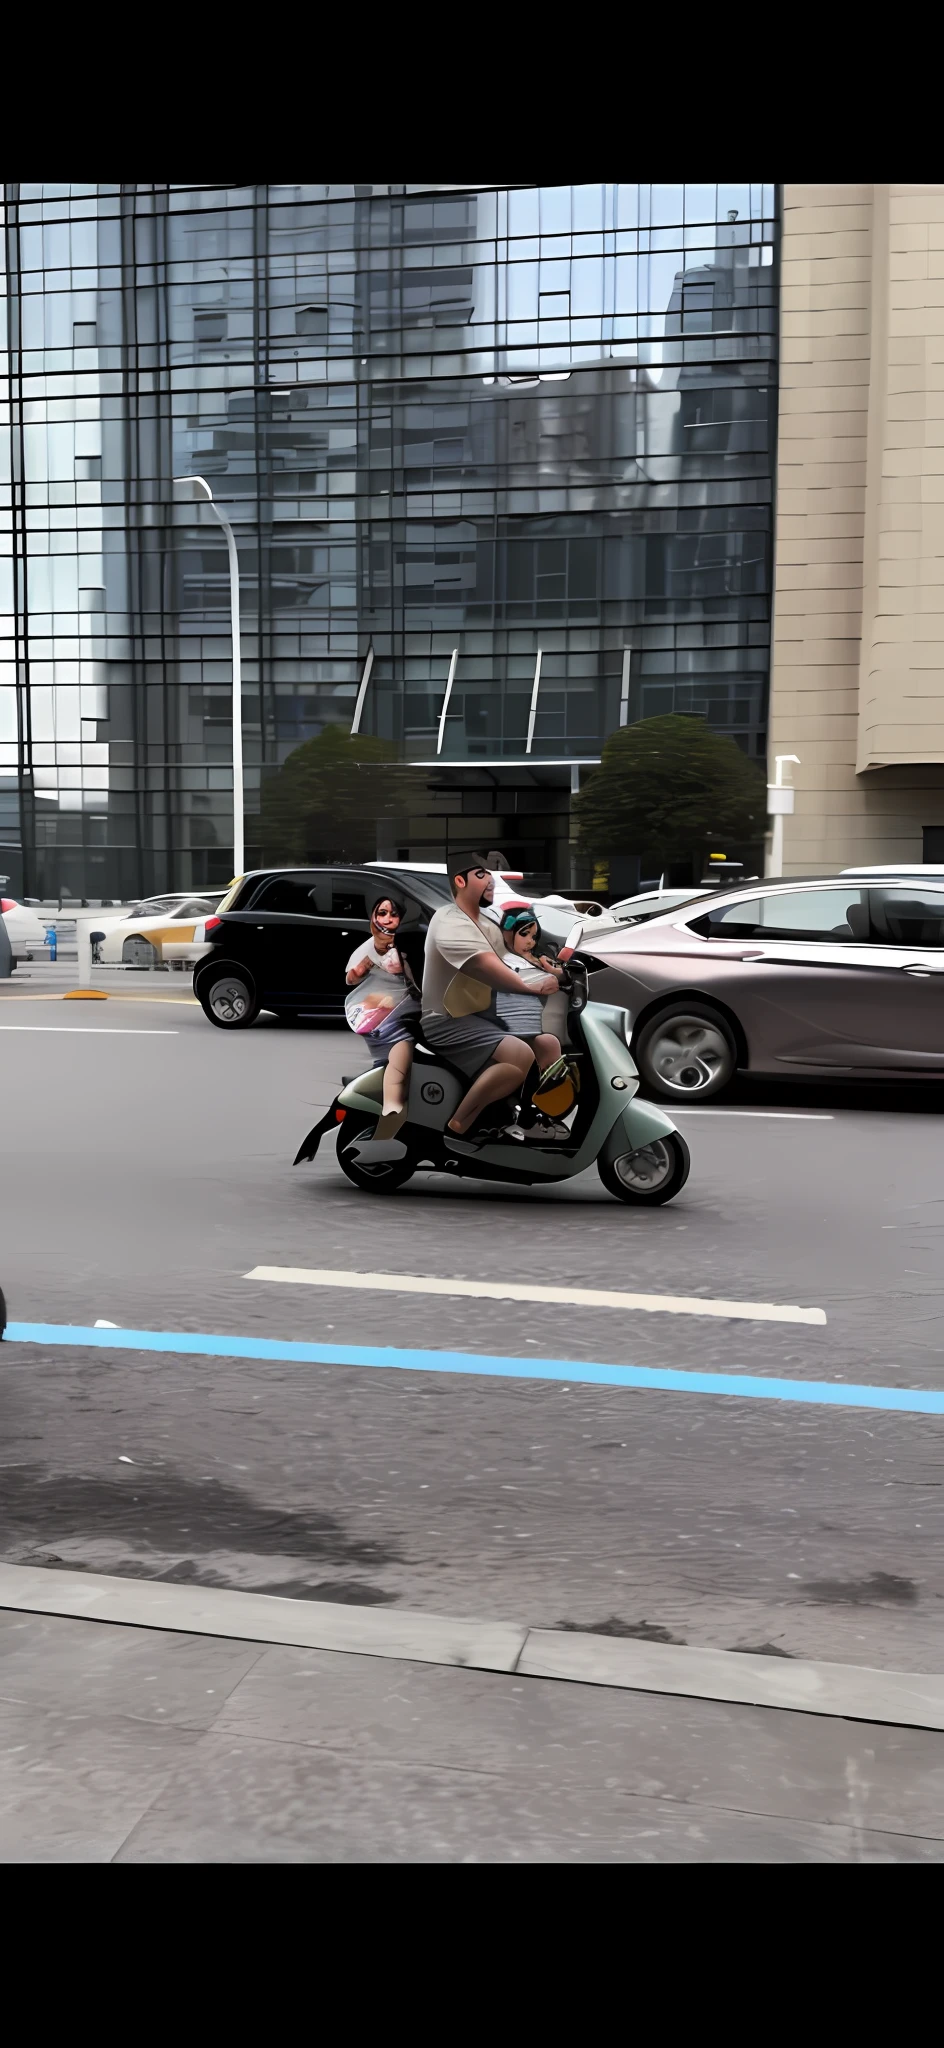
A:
(210, 924)
(7, 903)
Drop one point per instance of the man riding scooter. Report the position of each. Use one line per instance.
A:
(638, 1153)
(464, 970)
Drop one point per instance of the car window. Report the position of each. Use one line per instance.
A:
(827, 916)
(907, 917)
(343, 895)
(291, 894)
(349, 896)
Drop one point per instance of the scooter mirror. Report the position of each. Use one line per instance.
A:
(572, 940)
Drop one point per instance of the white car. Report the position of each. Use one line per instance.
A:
(27, 936)
(161, 931)
(556, 914)
(651, 902)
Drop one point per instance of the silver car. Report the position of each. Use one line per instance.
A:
(838, 976)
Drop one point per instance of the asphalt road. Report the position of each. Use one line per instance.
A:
(147, 1170)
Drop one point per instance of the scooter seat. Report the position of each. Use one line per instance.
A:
(424, 1057)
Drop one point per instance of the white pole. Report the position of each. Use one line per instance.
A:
(624, 686)
(362, 692)
(532, 715)
(574, 791)
(239, 851)
(83, 939)
(445, 702)
(779, 807)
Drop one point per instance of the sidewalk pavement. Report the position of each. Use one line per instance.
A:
(126, 1741)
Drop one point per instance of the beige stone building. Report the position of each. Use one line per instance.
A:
(857, 671)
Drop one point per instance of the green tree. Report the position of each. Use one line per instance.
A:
(671, 789)
(325, 800)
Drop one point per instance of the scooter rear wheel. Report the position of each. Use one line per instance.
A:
(382, 1179)
(652, 1175)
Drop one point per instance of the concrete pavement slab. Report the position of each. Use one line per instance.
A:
(73, 1785)
(905, 1698)
(315, 1756)
(161, 1678)
(237, 1799)
(258, 1617)
(751, 1760)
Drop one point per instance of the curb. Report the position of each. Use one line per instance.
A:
(852, 1692)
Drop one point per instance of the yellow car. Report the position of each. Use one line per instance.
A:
(163, 931)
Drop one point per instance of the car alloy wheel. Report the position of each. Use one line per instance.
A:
(229, 1001)
(686, 1053)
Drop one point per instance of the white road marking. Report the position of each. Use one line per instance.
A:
(575, 1297)
(95, 1030)
(790, 1116)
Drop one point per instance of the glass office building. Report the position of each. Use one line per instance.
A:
(500, 468)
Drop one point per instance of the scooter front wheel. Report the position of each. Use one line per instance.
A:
(652, 1175)
(382, 1179)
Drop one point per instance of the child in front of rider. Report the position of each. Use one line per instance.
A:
(523, 1014)
(382, 1006)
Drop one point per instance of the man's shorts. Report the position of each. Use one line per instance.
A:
(466, 1042)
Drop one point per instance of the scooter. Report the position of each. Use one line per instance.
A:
(639, 1154)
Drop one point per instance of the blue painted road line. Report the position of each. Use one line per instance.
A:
(575, 1371)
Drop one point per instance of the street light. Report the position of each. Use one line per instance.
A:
(780, 801)
(201, 489)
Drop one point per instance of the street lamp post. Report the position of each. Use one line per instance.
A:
(202, 489)
(780, 800)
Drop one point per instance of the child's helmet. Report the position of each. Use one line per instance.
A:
(519, 917)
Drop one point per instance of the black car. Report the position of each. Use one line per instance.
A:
(282, 938)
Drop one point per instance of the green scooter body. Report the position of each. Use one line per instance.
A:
(620, 1124)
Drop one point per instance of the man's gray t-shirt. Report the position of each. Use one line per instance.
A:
(452, 942)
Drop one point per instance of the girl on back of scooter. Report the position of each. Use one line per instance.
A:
(382, 1006)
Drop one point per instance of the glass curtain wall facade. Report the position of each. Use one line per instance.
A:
(500, 468)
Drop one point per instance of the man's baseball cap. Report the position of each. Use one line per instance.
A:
(464, 863)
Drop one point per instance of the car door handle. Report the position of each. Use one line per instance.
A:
(920, 973)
